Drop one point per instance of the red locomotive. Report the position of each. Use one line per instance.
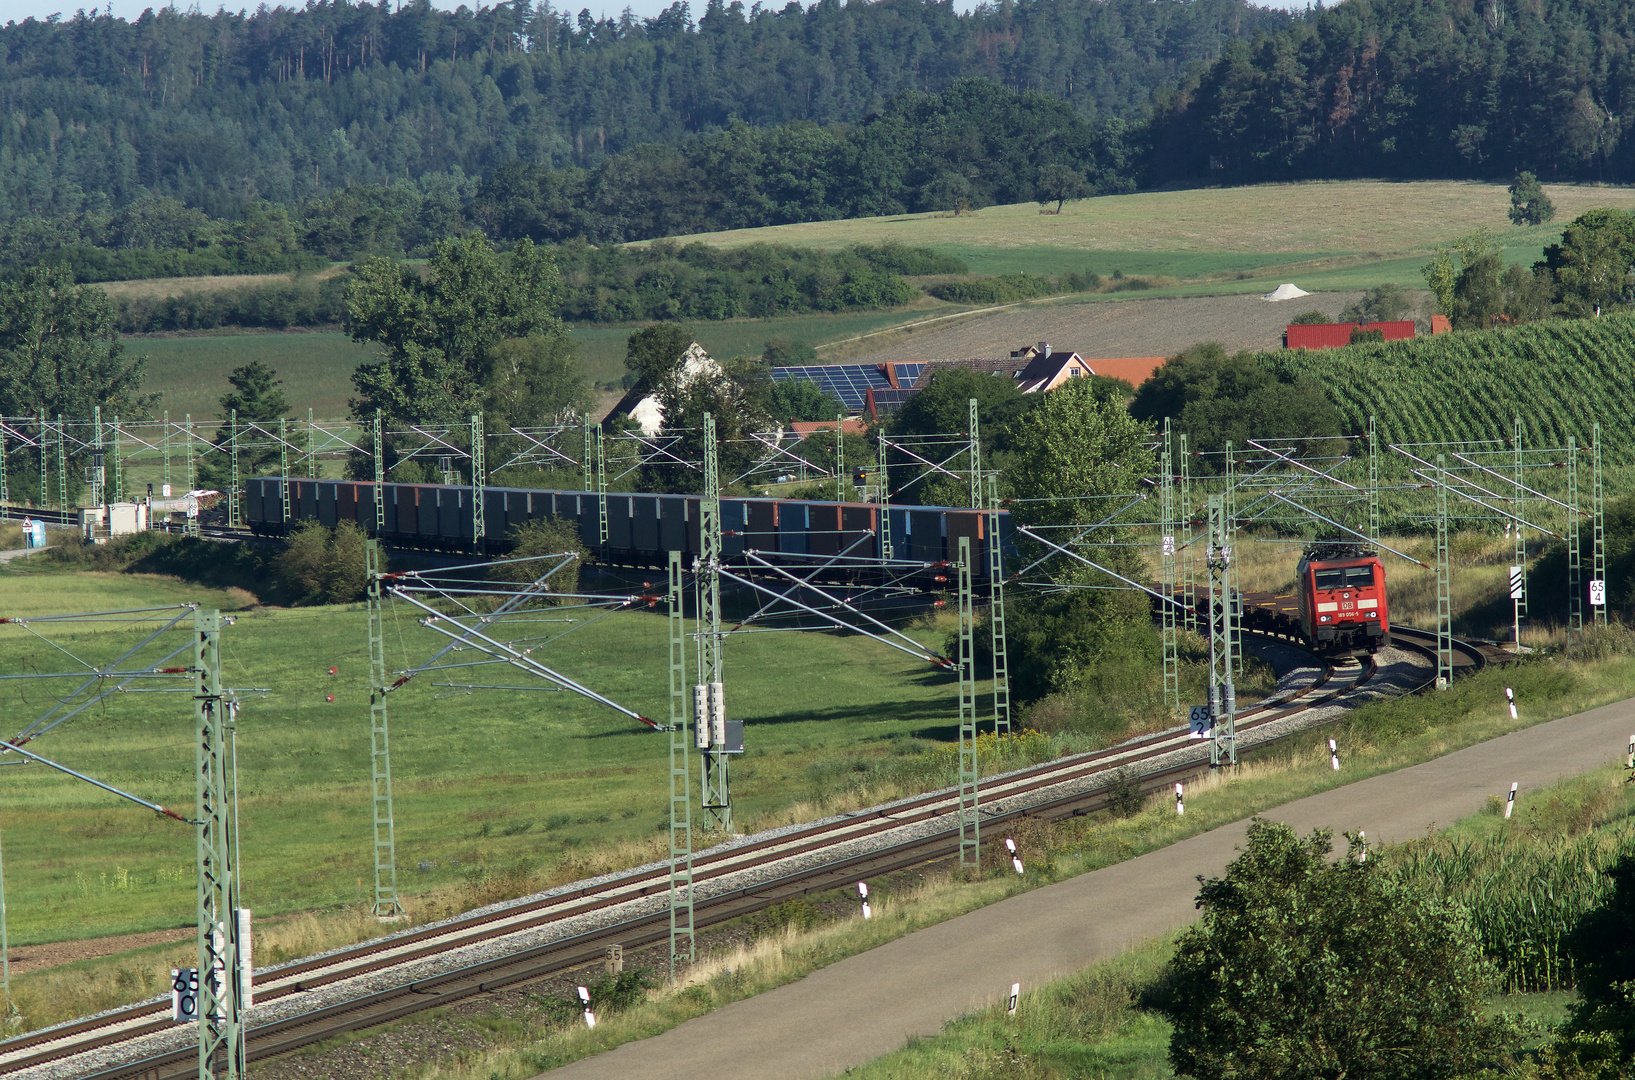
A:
(1343, 607)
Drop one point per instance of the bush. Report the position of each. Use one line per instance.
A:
(667, 281)
(1006, 289)
(1359, 336)
(1382, 303)
(899, 258)
(534, 540)
(1124, 795)
(69, 549)
(1603, 945)
(609, 993)
(301, 301)
(1304, 967)
(1310, 318)
(321, 565)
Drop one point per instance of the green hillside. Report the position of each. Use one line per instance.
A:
(1560, 376)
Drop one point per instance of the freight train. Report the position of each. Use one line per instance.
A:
(641, 528)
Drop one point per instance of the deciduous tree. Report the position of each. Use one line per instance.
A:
(653, 353)
(60, 352)
(1382, 303)
(1076, 446)
(1218, 399)
(1061, 184)
(436, 328)
(1303, 967)
(1593, 263)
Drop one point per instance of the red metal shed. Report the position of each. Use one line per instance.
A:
(1333, 335)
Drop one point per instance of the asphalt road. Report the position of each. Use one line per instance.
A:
(871, 1004)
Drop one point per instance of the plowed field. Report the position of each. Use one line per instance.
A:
(1103, 328)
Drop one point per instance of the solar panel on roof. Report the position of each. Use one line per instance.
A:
(890, 400)
(848, 382)
(908, 371)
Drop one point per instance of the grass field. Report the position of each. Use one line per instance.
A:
(191, 372)
(1326, 236)
(484, 782)
(1322, 217)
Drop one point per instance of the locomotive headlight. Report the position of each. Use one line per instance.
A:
(1325, 618)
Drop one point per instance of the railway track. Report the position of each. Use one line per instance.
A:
(1023, 793)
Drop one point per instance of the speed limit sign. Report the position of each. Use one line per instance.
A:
(184, 995)
(1198, 720)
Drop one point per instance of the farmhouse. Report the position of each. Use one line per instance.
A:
(876, 389)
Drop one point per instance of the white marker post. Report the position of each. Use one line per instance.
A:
(1016, 860)
(1363, 836)
(590, 1017)
(1510, 803)
(1631, 762)
(246, 960)
(863, 894)
(1510, 697)
(1016, 992)
(1334, 755)
(1180, 802)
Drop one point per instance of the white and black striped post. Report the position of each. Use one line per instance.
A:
(1334, 755)
(1180, 800)
(1510, 803)
(1016, 860)
(590, 1017)
(1510, 699)
(1016, 992)
(863, 895)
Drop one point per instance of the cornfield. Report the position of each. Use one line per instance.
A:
(1522, 892)
(1560, 376)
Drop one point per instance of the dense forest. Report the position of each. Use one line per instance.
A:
(287, 104)
(1414, 88)
(182, 143)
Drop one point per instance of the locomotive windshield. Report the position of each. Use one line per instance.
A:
(1344, 577)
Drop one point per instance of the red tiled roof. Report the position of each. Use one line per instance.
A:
(854, 425)
(1134, 370)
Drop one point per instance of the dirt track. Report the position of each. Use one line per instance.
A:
(1108, 328)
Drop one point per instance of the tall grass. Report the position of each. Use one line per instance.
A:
(1526, 883)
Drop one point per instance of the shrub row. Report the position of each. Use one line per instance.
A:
(1012, 288)
(302, 301)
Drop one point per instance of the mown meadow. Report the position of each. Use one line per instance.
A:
(485, 782)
